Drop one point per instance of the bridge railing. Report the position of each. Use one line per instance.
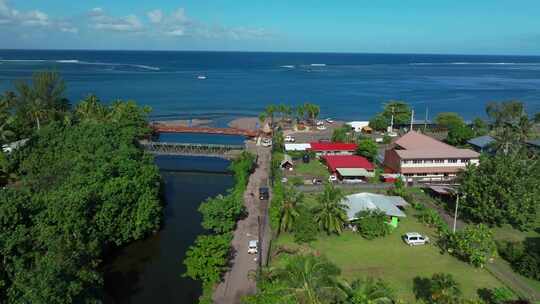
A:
(189, 148)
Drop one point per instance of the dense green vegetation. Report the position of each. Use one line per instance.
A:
(372, 224)
(79, 185)
(208, 258)
(367, 148)
(400, 110)
(304, 112)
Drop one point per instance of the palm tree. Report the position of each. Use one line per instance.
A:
(38, 111)
(368, 291)
(91, 109)
(270, 111)
(5, 132)
(289, 212)
(331, 213)
(300, 113)
(444, 289)
(262, 118)
(310, 280)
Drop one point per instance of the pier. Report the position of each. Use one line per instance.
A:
(190, 149)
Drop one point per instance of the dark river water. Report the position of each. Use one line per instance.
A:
(149, 270)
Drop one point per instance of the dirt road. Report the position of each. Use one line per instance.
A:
(237, 281)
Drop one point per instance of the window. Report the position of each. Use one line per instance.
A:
(464, 160)
(417, 161)
(439, 161)
(452, 161)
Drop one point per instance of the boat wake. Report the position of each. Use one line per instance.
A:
(75, 61)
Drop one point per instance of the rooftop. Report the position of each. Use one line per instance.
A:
(369, 201)
(347, 161)
(417, 145)
(481, 142)
(318, 146)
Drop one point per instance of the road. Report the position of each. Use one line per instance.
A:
(239, 281)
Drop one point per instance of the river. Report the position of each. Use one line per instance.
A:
(149, 270)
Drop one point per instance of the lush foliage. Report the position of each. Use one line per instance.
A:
(449, 120)
(367, 148)
(444, 289)
(372, 224)
(289, 208)
(379, 122)
(502, 189)
(523, 256)
(207, 259)
(431, 218)
(305, 229)
(82, 186)
(330, 213)
(343, 134)
(474, 244)
(458, 135)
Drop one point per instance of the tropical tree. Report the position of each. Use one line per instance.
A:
(449, 120)
(92, 109)
(43, 99)
(309, 280)
(368, 291)
(270, 111)
(379, 122)
(444, 289)
(537, 117)
(342, 134)
(367, 148)
(289, 208)
(479, 126)
(459, 134)
(506, 112)
(312, 111)
(331, 213)
(399, 109)
(300, 112)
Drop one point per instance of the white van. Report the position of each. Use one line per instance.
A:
(253, 247)
(415, 238)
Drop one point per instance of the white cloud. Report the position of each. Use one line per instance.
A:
(179, 15)
(176, 32)
(101, 21)
(33, 18)
(155, 16)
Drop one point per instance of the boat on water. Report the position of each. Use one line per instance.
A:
(202, 77)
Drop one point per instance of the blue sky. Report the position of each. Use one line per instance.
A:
(383, 26)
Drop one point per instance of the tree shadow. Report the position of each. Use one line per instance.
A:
(421, 289)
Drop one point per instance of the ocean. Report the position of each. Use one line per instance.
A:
(346, 86)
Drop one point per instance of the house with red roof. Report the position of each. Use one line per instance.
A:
(347, 167)
(332, 148)
(420, 156)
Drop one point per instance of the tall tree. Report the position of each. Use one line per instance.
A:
(368, 291)
(367, 148)
(330, 212)
(92, 109)
(449, 120)
(506, 112)
(289, 208)
(399, 109)
(444, 289)
(310, 280)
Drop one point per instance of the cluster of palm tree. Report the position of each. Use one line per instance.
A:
(331, 213)
(511, 125)
(310, 279)
(285, 113)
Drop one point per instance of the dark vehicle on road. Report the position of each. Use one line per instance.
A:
(263, 193)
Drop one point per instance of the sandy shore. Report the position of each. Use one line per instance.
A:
(246, 123)
(185, 122)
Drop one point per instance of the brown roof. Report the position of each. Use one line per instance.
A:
(418, 145)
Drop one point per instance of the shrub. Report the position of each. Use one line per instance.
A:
(296, 180)
(433, 219)
(474, 244)
(372, 224)
(529, 265)
(523, 257)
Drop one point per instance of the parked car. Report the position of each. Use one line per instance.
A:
(289, 138)
(263, 193)
(253, 247)
(316, 181)
(266, 142)
(353, 181)
(415, 238)
(320, 123)
(321, 128)
(332, 178)
(284, 180)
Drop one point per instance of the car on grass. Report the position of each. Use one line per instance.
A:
(290, 139)
(253, 247)
(332, 178)
(415, 238)
(317, 181)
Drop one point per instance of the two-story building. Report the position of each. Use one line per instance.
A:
(419, 156)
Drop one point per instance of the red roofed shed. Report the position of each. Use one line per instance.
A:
(347, 161)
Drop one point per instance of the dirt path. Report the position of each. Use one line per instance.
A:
(238, 281)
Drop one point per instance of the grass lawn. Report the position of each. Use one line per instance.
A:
(312, 169)
(393, 261)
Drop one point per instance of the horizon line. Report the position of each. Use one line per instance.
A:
(270, 52)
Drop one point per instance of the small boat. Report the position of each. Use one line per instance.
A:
(202, 77)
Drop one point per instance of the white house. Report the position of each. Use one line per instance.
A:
(358, 125)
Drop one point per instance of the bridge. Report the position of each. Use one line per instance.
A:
(189, 149)
(166, 128)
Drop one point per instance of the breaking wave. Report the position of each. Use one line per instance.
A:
(475, 63)
(75, 61)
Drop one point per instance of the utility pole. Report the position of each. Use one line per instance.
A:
(456, 211)
(412, 119)
(425, 120)
(392, 121)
